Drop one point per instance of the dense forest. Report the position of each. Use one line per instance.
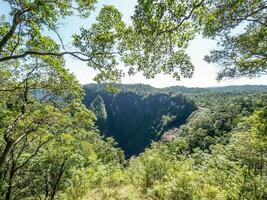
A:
(62, 141)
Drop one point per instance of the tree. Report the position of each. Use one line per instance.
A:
(47, 135)
(40, 102)
(104, 44)
(249, 143)
(24, 37)
(236, 170)
(240, 27)
(161, 32)
(166, 27)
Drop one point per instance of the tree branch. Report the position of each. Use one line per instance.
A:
(34, 153)
(184, 19)
(15, 23)
(26, 53)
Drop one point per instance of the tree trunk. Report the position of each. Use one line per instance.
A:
(61, 171)
(10, 181)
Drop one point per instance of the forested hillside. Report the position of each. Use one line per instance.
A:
(136, 115)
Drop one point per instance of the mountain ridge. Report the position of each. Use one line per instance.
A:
(184, 89)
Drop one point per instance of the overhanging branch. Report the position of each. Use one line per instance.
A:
(77, 55)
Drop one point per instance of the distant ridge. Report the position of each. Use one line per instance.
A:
(221, 89)
(144, 88)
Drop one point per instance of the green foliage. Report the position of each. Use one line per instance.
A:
(159, 40)
(163, 29)
(232, 166)
(47, 135)
(100, 42)
(50, 147)
(233, 171)
(243, 53)
(48, 138)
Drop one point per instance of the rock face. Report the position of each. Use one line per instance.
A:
(170, 135)
(135, 119)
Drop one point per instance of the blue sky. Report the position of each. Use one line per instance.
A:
(204, 75)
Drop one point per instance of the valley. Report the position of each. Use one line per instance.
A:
(135, 119)
(137, 115)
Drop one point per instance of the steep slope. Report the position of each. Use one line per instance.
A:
(136, 115)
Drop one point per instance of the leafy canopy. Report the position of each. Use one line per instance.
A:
(239, 26)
